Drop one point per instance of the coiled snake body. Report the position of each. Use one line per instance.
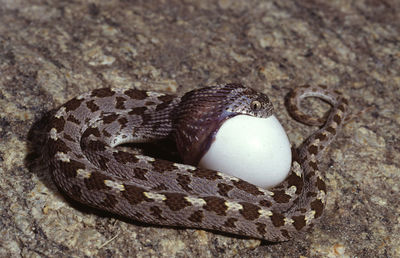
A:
(85, 165)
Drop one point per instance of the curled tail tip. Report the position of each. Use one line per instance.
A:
(332, 97)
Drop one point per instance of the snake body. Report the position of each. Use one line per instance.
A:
(85, 165)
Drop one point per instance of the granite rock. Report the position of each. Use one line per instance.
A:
(50, 51)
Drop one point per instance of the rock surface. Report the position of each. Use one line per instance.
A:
(50, 51)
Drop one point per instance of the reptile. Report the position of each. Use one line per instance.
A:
(85, 163)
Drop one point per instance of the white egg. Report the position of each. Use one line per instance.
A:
(256, 150)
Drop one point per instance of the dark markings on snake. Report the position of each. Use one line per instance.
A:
(71, 168)
(57, 146)
(73, 119)
(280, 196)
(76, 191)
(299, 221)
(58, 124)
(278, 220)
(313, 149)
(184, 181)
(140, 173)
(92, 106)
(102, 93)
(215, 204)
(137, 111)
(337, 119)
(285, 233)
(206, 174)
(313, 165)
(73, 104)
(293, 179)
(160, 187)
(136, 94)
(123, 121)
(265, 203)
(261, 228)
(196, 216)
(249, 211)
(331, 130)
(156, 212)
(247, 187)
(68, 137)
(106, 133)
(321, 184)
(317, 206)
(230, 222)
(135, 195)
(110, 200)
(176, 201)
(320, 136)
(223, 189)
(120, 102)
(163, 105)
(108, 119)
(164, 165)
(91, 131)
(124, 157)
(94, 145)
(96, 181)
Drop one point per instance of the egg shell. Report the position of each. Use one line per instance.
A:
(256, 150)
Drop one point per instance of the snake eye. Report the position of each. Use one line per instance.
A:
(255, 105)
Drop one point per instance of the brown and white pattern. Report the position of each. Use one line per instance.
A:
(85, 164)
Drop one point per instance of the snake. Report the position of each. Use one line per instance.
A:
(86, 162)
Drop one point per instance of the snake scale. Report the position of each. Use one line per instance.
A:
(86, 165)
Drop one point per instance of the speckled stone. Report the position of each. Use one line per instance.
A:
(50, 51)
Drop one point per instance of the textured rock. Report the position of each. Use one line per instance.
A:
(52, 50)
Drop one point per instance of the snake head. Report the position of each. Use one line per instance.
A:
(200, 114)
